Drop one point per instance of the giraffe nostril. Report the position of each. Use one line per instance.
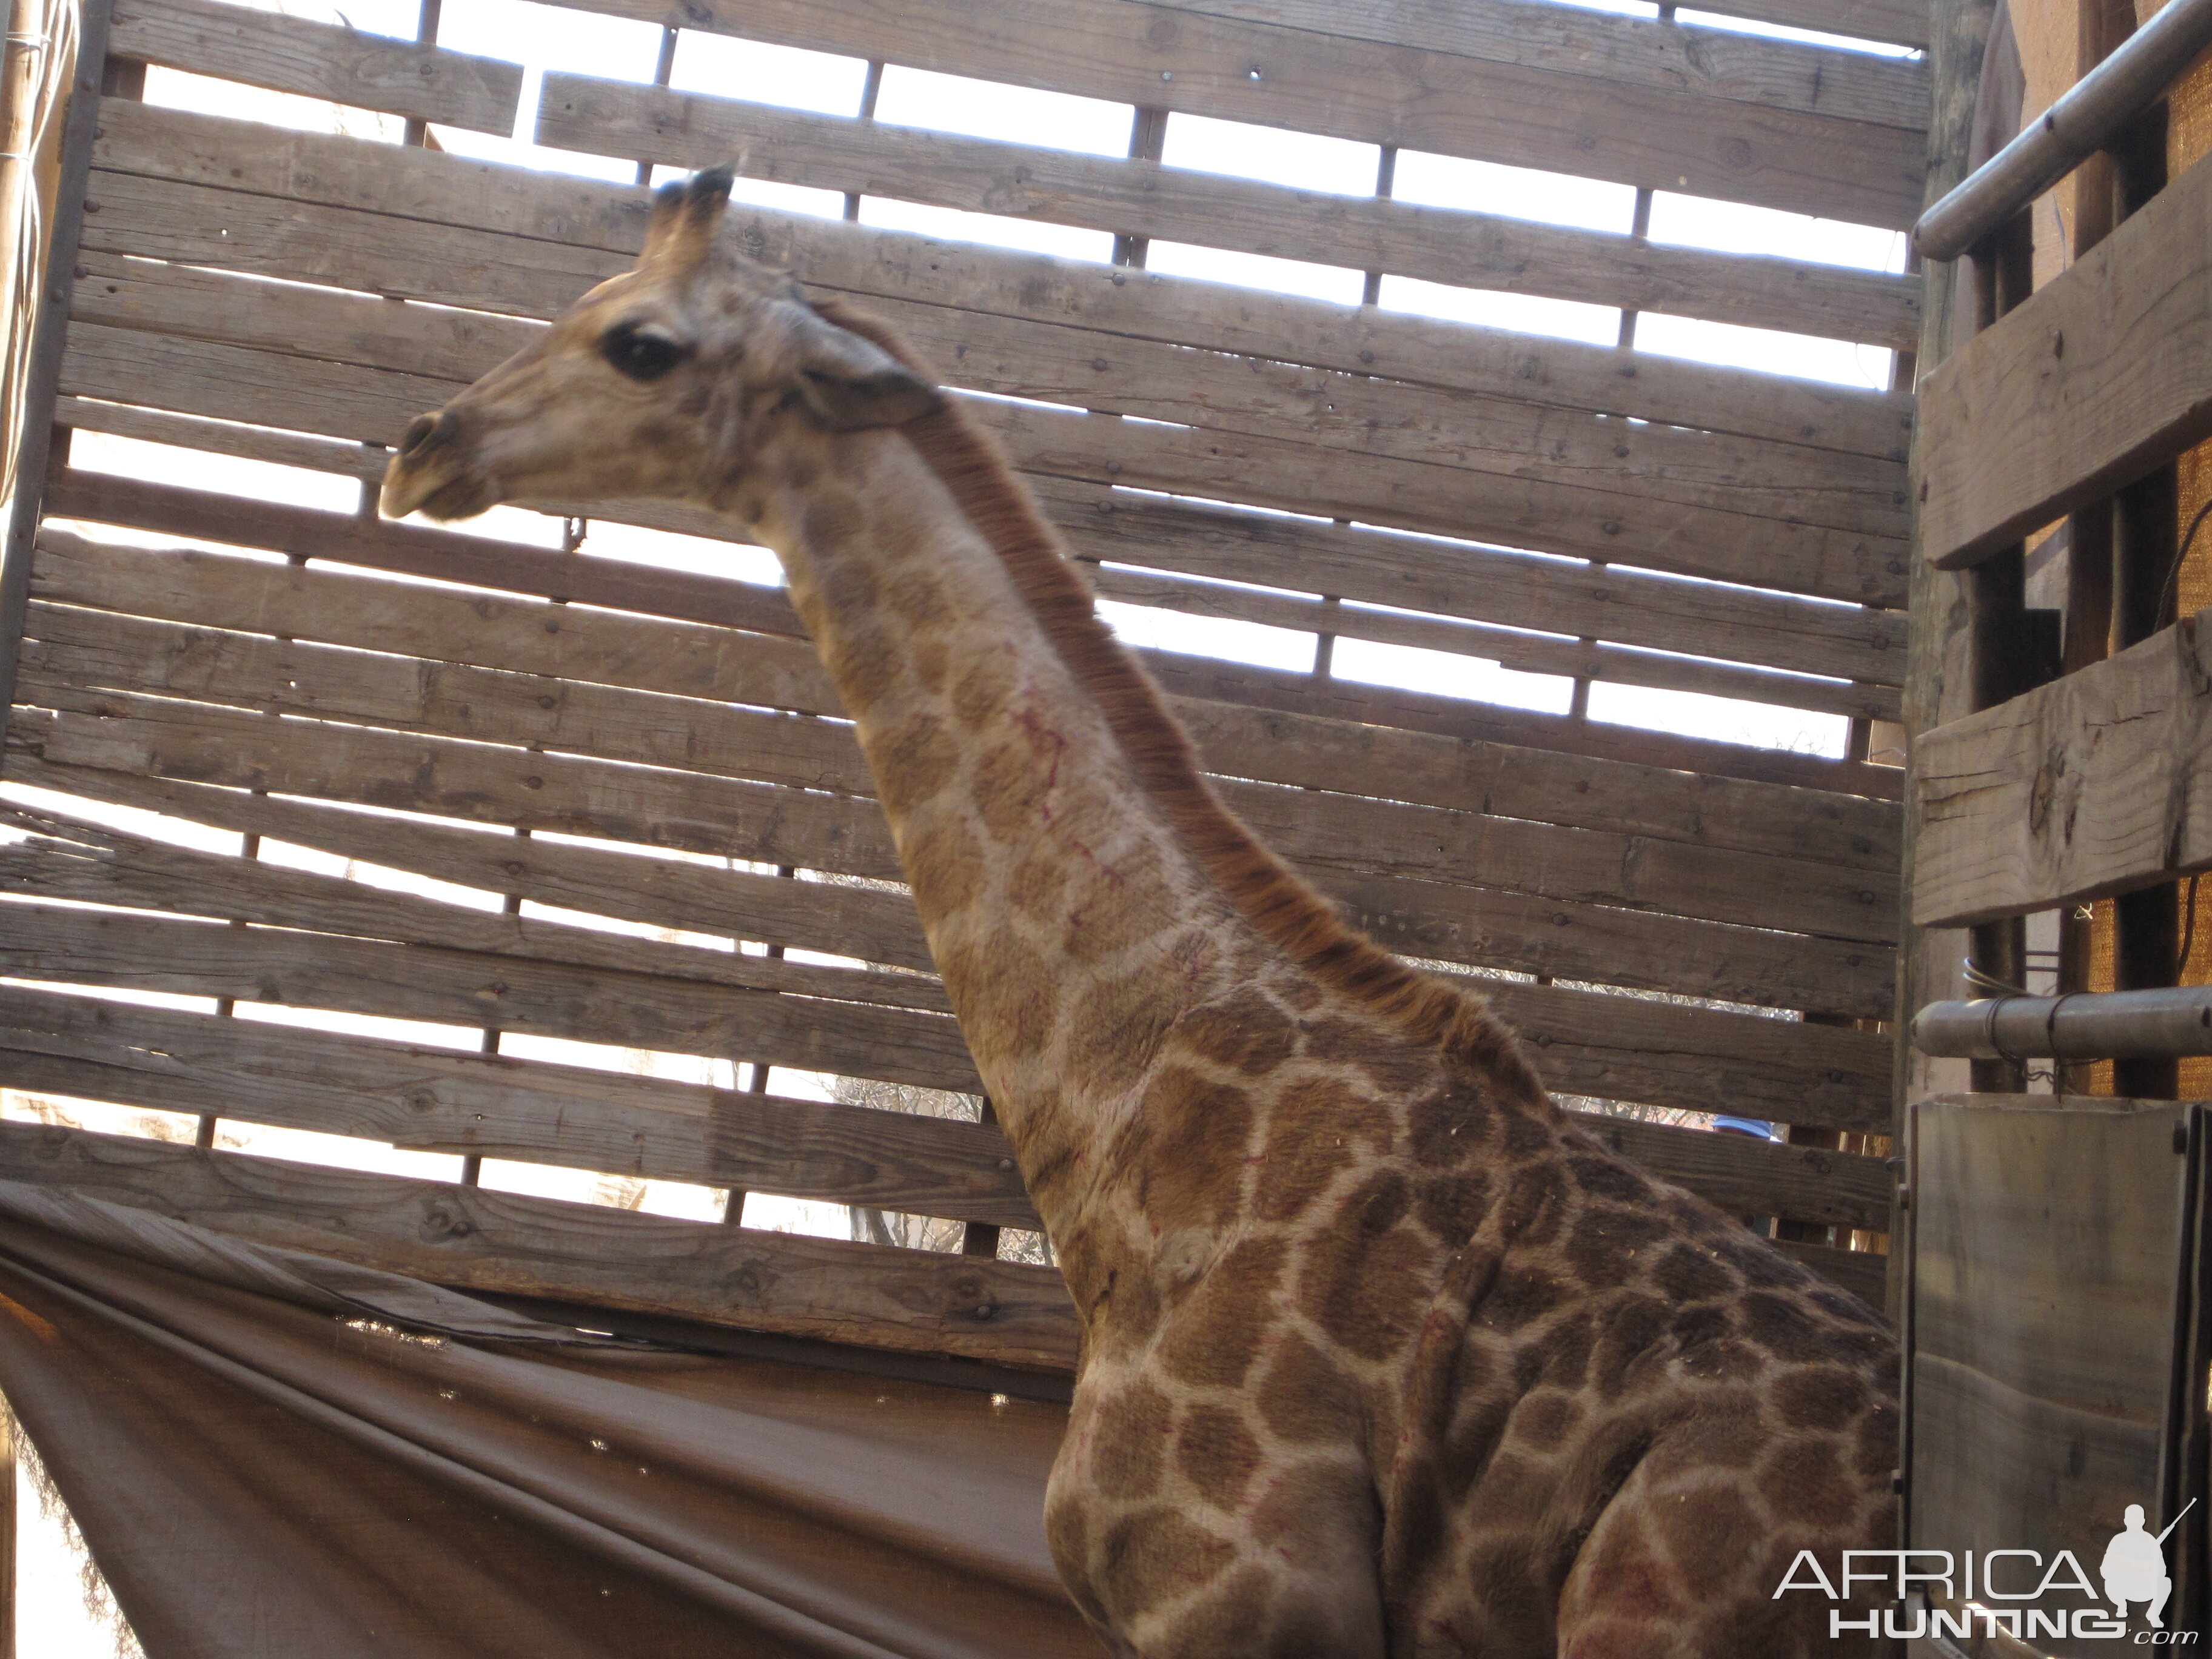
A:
(420, 431)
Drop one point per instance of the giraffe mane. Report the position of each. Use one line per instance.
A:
(1265, 890)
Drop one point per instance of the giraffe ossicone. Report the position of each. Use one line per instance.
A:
(1382, 1355)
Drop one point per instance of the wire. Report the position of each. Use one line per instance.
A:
(2170, 592)
(2188, 910)
(1983, 981)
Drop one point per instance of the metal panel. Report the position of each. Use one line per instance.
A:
(2051, 1280)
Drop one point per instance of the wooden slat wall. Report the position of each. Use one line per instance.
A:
(648, 708)
(2104, 375)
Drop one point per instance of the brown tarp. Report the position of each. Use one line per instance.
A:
(274, 1456)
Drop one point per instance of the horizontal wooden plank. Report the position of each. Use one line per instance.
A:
(1745, 1176)
(1864, 1274)
(333, 607)
(1139, 197)
(433, 1100)
(1356, 563)
(366, 462)
(873, 922)
(1216, 679)
(471, 989)
(1589, 1043)
(1661, 54)
(2105, 373)
(1528, 654)
(319, 60)
(1057, 363)
(1850, 820)
(1591, 944)
(472, 1239)
(580, 218)
(2093, 785)
(1712, 543)
(1352, 835)
(1859, 791)
(80, 864)
(1518, 508)
(1901, 23)
(1376, 566)
(1176, 58)
(1780, 1069)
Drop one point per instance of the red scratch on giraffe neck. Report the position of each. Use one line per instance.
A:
(1049, 744)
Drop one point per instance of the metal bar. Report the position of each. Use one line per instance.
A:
(2158, 1024)
(2084, 121)
(43, 378)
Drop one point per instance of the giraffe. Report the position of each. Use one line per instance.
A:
(1380, 1355)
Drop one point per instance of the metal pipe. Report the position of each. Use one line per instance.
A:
(2157, 1025)
(2084, 121)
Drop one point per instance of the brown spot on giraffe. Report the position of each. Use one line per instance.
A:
(1425, 1372)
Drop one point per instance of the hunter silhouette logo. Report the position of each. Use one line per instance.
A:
(2134, 1568)
(1961, 1591)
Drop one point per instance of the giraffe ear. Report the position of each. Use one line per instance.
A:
(852, 385)
(684, 211)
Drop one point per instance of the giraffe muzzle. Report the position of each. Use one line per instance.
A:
(430, 473)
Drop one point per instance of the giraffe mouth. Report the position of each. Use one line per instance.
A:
(421, 490)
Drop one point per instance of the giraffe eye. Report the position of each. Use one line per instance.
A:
(640, 351)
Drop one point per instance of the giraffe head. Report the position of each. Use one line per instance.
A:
(671, 380)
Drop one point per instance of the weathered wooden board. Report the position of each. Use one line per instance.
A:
(436, 1100)
(474, 1239)
(1175, 58)
(1353, 562)
(1468, 719)
(596, 649)
(1902, 22)
(1663, 55)
(473, 990)
(1085, 367)
(464, 198)
(1420, 574)
(1860, 791)
(420, 550)
(374, 405)
(1746, 1176)
(1438, 245)
(1482, 927)
(430, 1100)
(1712, 543)
(2093, 785)
(871, 923)
(155, 876)
(319, 60)
(363, 461)
(1528, 654)
(1864, 1274)
(1591, 1043)
(1355, 835)
(2105, 374)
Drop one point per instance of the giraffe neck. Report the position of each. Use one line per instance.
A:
(1071, 925)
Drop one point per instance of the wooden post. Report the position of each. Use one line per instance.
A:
(7, 1539)
(982, 1237)
(665, 68)
(2146, 924)
(34, 444)
(871, 89)
(1936, 682)
(1148, 137)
